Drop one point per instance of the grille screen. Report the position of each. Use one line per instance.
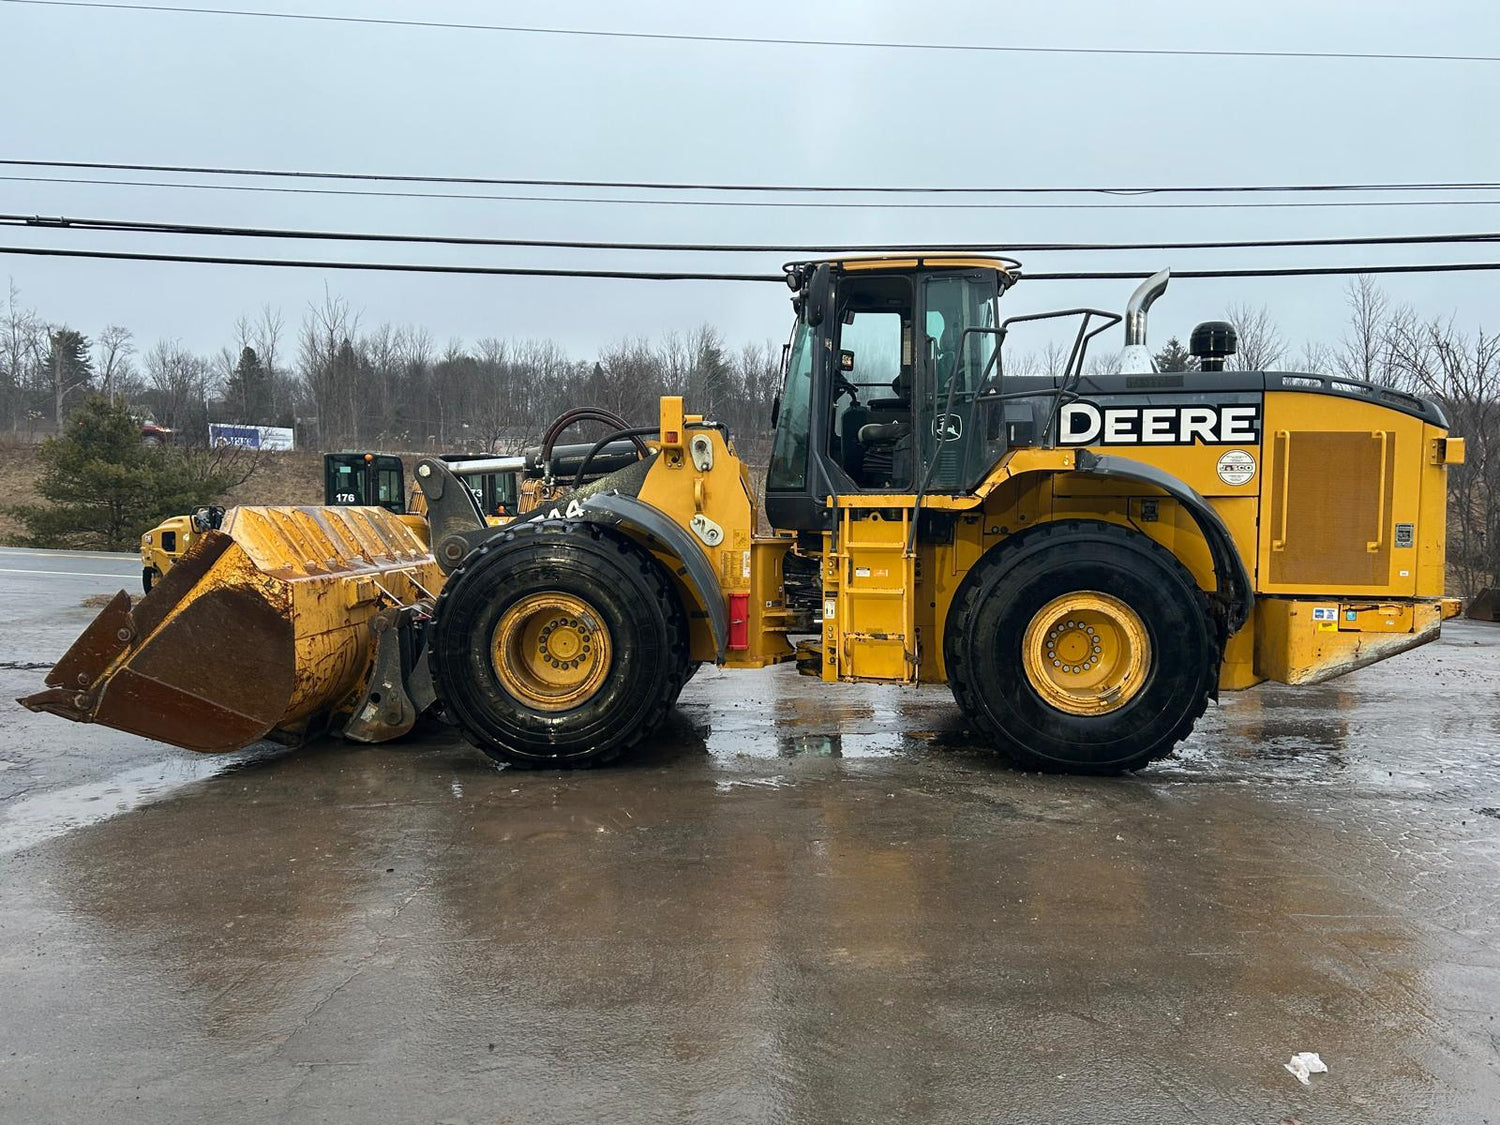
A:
(1330, 499)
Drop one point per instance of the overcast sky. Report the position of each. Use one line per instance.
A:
(197, 89)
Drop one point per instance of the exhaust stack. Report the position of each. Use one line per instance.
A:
(1136, 359)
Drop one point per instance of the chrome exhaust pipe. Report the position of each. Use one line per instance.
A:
(1136, 359)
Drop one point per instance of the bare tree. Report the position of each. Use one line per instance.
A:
(1317, 359)
(1363, 351)
(265, 337)
(330, 367)
(23, 348)
(1463, 373)
(180, 383)
(1104, 363)
(113, 349)
(1261, 346)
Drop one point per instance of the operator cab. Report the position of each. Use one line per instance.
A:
(882, 373)
(364, 480)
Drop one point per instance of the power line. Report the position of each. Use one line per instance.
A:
(758, 203)
(691, 275)
(132, 226)
(657, 185)
(753, 40)
(1276, 271)
(392, 267)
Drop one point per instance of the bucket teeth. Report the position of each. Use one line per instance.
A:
(107, 636)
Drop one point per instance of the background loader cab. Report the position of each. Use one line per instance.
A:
(364, 480)
(379, 480)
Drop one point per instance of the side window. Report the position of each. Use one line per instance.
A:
(390, 490)
(505, 491)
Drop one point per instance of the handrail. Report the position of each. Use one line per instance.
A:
(1285, 465)
(1374, 548)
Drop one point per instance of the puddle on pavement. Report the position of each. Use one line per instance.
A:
(792, 718)
(34, 820)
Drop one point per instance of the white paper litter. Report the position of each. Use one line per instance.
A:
(1304, 1063)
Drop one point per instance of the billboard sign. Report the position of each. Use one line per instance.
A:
(249, 437)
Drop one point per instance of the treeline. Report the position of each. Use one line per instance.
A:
(342, 384)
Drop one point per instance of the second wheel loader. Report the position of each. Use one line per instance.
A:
(1085, 561)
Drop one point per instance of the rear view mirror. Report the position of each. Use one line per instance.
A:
(775, 411)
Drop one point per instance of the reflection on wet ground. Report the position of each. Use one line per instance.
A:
(800, 904)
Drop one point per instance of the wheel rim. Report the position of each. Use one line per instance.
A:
(1086, 653)
(551, 651)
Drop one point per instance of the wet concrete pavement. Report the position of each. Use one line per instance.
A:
(798, 905)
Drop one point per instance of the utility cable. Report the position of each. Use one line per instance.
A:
(755, 40)
(658, 185)
(691, 275)
(758, 203)
(62, 222)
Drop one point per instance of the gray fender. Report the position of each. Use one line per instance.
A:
(660, 532)
(1236, 590)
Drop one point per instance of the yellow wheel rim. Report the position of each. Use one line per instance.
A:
(1086, 653)
(551, 651)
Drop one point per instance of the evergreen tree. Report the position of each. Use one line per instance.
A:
(1175, 357)
(104, 488)
(69, 366)
(248, 390)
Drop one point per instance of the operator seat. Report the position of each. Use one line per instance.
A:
(883, 433)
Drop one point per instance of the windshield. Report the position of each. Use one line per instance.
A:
(788, 467)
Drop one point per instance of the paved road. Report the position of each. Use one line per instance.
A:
(44, 604)
(799, 905)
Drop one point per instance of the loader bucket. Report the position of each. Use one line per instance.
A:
(259, 629)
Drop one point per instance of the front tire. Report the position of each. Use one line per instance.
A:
(558, 644)
(1081, 647)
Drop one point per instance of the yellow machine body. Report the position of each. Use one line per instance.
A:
(1341, 523)
(164, 544)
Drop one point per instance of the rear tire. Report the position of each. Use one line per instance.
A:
(558, 644)
(149, 577)
(1132, 694)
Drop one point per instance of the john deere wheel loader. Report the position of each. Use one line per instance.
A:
(1086, 561)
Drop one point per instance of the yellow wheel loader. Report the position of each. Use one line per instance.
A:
(1085, 560)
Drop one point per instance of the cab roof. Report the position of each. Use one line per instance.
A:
(936, 259)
